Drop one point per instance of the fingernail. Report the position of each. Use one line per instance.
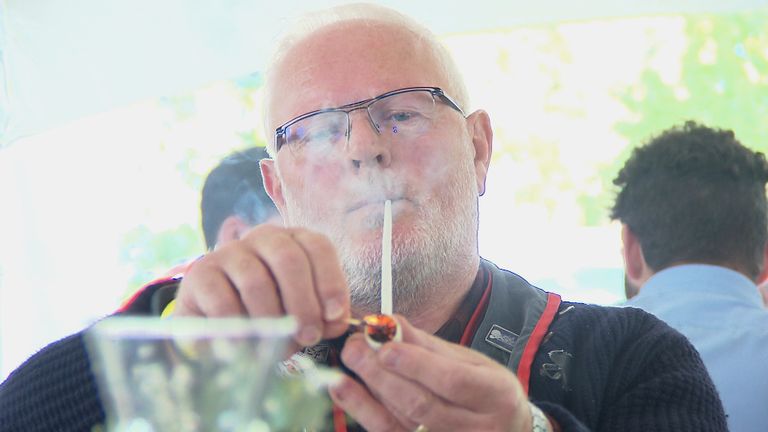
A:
(339, 389)
(309, 335)
(388, 355)
(333, 310)
(351, 356)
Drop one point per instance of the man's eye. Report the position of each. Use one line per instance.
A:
(318, 135)
(403, 116)
(328, 134)
(296, 135)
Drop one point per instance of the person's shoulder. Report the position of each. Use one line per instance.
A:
(613, 325)
(571, 312)
(630, 363)
(626, 339)
(506, 275)
(595, 311)
(48, 360)
(53, 390)
(582, 317)
(152, 298)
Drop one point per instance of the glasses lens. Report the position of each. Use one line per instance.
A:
(322, 131)
(404, 114)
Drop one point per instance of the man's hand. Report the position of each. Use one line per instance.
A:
(427, 381)
(272, 271)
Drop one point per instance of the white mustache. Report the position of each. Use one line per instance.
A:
(376, 188)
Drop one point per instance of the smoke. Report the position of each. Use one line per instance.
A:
(442, 240)
(442, 237)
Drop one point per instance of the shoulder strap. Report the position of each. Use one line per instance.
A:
(535, 339)
(152, 298)
(516, 320)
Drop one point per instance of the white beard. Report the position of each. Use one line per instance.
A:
(441, 244)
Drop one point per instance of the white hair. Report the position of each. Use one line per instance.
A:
(301, 27)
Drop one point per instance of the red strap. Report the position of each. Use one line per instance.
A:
(126, 304)
(474, 321)
(339, 419)
(534, 341)
(174, 273)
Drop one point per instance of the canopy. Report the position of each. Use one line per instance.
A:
(63, 59)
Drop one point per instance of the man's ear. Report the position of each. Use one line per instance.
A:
(272, 184)
(635, 267)
(231, 229)
(481, 133)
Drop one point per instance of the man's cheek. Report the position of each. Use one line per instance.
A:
(324, 175)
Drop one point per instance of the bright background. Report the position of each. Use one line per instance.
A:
(111, 114)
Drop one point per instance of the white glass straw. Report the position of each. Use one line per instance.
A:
(386, 261)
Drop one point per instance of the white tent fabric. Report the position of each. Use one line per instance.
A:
(63, 59)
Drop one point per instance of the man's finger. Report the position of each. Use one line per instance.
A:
(207, 291)
(436, 345)
(329, 280)
(470, 385)
(255, 285)
(290, 267)
(406, 398)
(354, 399)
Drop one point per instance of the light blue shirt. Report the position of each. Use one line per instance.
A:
(721, 312)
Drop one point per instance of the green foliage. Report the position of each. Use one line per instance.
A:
(554, 182)
(153, 254)
(252, 139)
(723, 82)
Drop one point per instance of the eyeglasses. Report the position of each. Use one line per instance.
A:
(400, 114)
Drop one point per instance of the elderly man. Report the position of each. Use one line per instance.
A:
(366, 106)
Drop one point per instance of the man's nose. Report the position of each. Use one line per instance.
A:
(366, 147)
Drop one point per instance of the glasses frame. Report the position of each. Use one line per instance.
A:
(436, 92)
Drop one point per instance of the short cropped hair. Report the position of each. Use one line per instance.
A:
(695, 194)
(235, 187)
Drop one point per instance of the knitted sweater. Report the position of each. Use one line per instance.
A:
(598, 368)
(627, 371)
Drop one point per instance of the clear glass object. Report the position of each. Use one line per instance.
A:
(187, 374)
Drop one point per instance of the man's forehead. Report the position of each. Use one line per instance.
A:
(346, 64)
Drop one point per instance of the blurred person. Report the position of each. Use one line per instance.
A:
(692, 206)
(233, 198)
(367, 106)
(233, 201)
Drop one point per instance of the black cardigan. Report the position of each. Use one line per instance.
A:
(598, 368)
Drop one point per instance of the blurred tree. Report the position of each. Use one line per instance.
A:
(723, 82)
(150, 252)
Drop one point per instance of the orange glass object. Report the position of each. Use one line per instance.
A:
(380, 328)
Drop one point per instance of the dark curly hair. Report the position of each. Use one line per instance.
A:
(696, 194)
(235, 187)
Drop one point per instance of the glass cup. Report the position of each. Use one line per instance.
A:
(187, 374)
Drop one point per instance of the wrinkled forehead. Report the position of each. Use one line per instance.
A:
(345, 63)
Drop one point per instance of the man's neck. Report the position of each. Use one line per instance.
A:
(437, 310)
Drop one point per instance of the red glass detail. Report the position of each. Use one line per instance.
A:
(380, 328)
